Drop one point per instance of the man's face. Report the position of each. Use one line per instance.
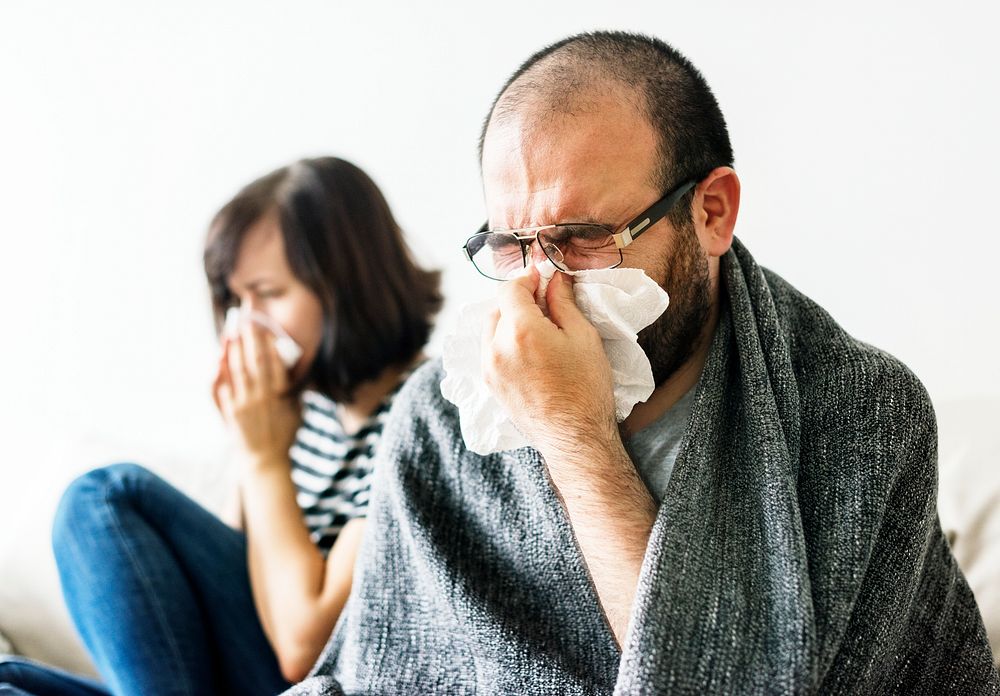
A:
(595, 166)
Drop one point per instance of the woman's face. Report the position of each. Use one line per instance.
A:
(263, 281)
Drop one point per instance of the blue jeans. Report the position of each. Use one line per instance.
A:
(22, 677)
(159, 589)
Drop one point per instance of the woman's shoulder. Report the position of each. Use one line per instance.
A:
(317, 401)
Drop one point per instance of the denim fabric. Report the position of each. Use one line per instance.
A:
(22, 677)
(159, 589)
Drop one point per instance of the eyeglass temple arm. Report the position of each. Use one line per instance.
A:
(650, 216)
(465, 247)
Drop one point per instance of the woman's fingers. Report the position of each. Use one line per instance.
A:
(224, 372)
(224, 400)
(222, 375)
(276, 371)
(255, 364)
(254, 354)
(238, 376)
(263, 367)
(216, 384)
(262, 419)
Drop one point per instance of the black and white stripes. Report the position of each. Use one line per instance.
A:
(332, 470)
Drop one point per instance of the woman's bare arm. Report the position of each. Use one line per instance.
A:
(232, 511)
(298, 594)
(297, 599)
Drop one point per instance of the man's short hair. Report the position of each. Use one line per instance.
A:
(672, 94)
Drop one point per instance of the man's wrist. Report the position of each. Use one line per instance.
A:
(605, 499)
(574, 432)
(597, 470)
(590, 448)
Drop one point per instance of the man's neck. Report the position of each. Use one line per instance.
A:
(677, 385)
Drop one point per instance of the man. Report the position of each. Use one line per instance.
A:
(764, 523)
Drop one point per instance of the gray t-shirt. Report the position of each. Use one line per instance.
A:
(654, 448)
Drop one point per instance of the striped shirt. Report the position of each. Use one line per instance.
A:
(332, 470)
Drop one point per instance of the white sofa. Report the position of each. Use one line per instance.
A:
(33, 617)
(34, 620)
(969, 499)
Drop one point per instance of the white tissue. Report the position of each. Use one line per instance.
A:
(619, 302)
(288, 350)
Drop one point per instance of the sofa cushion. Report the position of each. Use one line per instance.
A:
(969, 499)
(33, 614)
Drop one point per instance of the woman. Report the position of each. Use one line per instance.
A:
(168, 598)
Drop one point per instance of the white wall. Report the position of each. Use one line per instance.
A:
(865, 140)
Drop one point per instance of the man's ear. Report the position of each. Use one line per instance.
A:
(714, 209)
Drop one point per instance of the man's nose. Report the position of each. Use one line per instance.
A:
(537, 253)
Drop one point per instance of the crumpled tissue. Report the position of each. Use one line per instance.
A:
(619, 302)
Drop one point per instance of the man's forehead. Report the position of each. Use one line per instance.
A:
(522, 208)
(569, 168)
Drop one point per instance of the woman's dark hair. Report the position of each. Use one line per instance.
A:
(343, 243)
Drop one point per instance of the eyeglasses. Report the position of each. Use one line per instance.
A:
(571, 246)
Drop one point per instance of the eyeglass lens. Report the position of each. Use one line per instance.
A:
(582, 247)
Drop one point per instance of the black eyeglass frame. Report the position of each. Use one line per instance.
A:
(625, 236)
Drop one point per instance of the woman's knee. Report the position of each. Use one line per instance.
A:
(8, 668)
(25, 677)
(87, 498)
(12, 671)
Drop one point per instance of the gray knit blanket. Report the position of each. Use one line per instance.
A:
(797, 549)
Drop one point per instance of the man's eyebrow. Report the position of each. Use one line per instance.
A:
(588, 218)
(614, 217)
(585, 219)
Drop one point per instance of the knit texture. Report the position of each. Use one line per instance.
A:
(797, 548)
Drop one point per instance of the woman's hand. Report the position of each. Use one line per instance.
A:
(250, 392)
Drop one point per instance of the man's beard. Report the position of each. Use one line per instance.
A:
(670, 340)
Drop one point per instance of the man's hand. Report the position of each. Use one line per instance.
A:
(554, 378)
(551, 373)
